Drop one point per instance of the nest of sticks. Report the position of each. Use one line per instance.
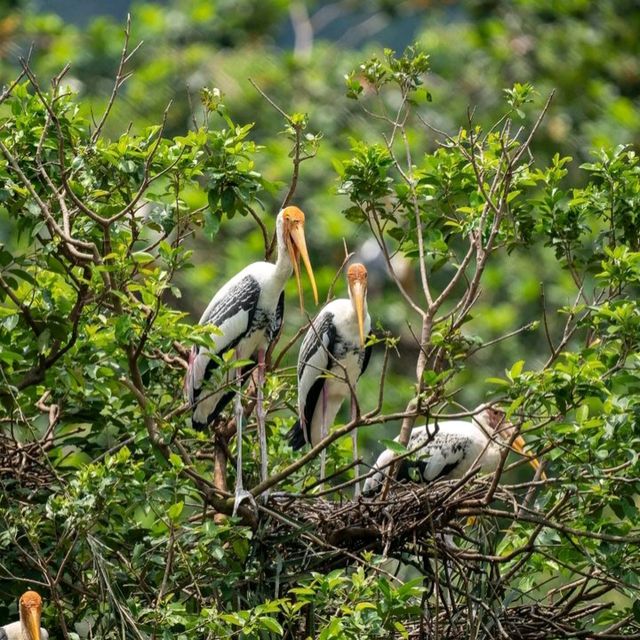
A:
(23, 464)
(383, 525)
(416, 526)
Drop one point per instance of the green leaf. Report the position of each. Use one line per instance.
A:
(142, 257)
(174, 511)
(74, 460)
(228, 201)
(499, 381)
(211, 224)
(582, 413)
(516, 369)
(272, 625)
(332, 631)
(394, 446)
(401, 629)
(10, 356)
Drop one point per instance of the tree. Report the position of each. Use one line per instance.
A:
(109, 501)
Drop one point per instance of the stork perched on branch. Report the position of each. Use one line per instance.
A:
(248, 312)
(448, 449)
(332, 358)
(28, 627)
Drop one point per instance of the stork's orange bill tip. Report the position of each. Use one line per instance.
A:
(521, 447)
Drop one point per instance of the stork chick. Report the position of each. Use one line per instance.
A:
(449, 449)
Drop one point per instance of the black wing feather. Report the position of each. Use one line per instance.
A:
(274, 330)
(297, 435)
(367, 355)
(243, 297)
(313, 341)
(226, 398)
(406, 473)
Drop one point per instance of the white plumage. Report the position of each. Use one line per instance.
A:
(449, 449)
(16, 631)
(28, 627)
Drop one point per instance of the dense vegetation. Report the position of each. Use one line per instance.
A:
(500, 268)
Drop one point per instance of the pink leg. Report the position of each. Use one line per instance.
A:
(260, 416)
(354, 439)
(241, 494)
(323, 430)
(238, 417)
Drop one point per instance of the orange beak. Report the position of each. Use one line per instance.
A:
(297, 247)
(31, 620)
(521, 447)
(358, 293)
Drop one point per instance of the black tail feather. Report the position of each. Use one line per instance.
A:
(296, 436)
(224, 400)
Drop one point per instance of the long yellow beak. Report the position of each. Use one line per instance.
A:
(521, 447)
(297, 249)
(357, 296)
(31, 620)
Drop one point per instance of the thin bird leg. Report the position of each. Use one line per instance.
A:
(323, 431)
(260, 417)
(354, 439)
(240, 494)
(238, 416)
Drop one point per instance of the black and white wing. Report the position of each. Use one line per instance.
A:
(314, 362)
(438, 454)
(278, 318)
(232, 311)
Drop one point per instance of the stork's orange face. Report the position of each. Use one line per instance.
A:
(357, 279)
(30, 613)
(293, 219)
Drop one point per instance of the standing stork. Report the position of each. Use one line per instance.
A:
(248, 312)
(449, 449)
(28, 627)
(332, 352)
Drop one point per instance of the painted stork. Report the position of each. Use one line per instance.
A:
(28, 627)
(450, 449)
(333, 350)
(248, 312)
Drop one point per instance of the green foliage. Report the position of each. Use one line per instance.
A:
(531, 262)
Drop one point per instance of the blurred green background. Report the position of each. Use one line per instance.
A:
(298, 53)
